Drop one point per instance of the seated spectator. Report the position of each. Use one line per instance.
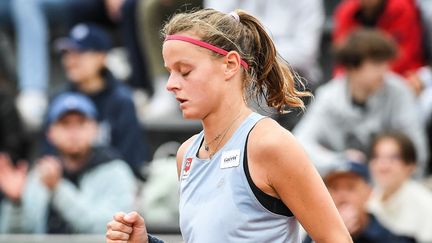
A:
(349, 187)
(121, 17)
(33, 43)
(83, 58)
(74, 191)
(368, 99)
(400, 19)
(403, 205)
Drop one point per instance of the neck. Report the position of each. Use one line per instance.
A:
(371, 12)
(221, 125)
(92, 85)
(358, 93)
(75, 161)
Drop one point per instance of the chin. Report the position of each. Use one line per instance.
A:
(74, 79)
(191, 115)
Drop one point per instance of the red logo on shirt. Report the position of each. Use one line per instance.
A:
(187, 165)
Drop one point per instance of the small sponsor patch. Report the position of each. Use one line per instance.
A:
(187, 168)
(230, 159)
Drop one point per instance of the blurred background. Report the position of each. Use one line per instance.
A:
(109, 51)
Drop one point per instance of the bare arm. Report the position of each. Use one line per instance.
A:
(280, 167)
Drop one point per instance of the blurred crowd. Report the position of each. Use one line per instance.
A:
(82, 81)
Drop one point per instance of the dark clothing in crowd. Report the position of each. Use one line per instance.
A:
(375, 233)
(13, 139)
(140, 76)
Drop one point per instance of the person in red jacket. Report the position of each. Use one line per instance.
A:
(398, 18)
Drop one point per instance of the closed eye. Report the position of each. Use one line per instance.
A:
(185, 74)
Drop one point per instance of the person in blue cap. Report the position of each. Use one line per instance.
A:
(72, 191)
(84, 53)
(349, 186)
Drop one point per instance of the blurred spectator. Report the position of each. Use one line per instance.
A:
(122, 15)
(71, 193)
(84, 54)
(33, 62)
(403, 205)
(33, 44)
(349, 187)
(398, 18)
(33, 56)
(295, 26)
(368, 99)
(152, 15)
(140, 78)
(421, 81)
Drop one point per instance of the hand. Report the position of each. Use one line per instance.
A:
(113, 8)
(12, 180)
(352, 218)
(50, 171)
(129, 228)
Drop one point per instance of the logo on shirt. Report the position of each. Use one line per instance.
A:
(187, 168)
(230, 159)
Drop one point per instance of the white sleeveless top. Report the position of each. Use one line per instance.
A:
(217, 203)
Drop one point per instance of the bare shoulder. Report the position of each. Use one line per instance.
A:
(281, 168)
(268, 137)
(272, 147)
(181, 151)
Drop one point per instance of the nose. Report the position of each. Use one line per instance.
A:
(380, 164)
(172, 83)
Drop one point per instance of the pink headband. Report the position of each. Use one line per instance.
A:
(204, 45)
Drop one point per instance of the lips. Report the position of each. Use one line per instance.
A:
(181, 100)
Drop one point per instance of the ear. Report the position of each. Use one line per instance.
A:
(232, 64)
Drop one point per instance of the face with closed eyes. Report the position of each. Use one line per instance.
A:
(197, 78)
